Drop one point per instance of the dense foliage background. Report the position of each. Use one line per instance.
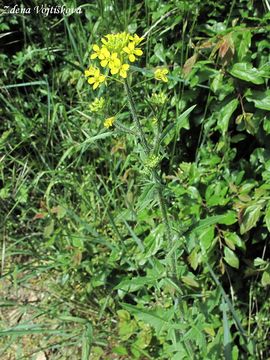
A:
(84, 257)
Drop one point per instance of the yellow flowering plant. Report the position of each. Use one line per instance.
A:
(114, 56)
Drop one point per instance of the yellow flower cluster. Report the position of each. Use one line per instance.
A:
(109, 122)
(97, 105)
(114, 54)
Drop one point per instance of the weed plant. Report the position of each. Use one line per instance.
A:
(135, 186)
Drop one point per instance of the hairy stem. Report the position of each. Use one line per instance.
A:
(161, 200)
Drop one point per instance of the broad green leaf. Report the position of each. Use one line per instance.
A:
(78, 242)
(127, 328)
(266, 126)
(267, 218)
(48, 230)
(160, 319)
(259, 262)
(154, 241)
(260, 99)
(194, 259)
(120, 350)
(225, 115)
(123, 315)
(231, 258)
(190, 281)
(206, 237)
(217, 82)
(244, 44)
(160, 52)
(234, 239)
(131, 285)
(245, 71)
(228, 218)
(147, 196)
(250, 218)
(266, 277)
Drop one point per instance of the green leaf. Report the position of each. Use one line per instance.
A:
(160, 52)
(225, 115)
(160, 318)
(267, 218)
(206, 236)
(266, 277)
(245, 71)
(261, 99)
(250, 218)
(87, 339)
(226, 331)
(231, 258)
(190, 281)
(131, 285)
(48, 230)
(176, 126)
(217, 82)
(234, 240)
(77, 242)
(194, 259)
(244, 44)
(259, 262)
(120, 350)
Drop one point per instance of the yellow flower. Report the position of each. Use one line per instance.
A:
(97, 52)
(96, 78)
(109, 122)
(131, 50)
(90, 71)
(104, 56)
(160, 74)
(114, 61)
(136, 39)
(121, 69)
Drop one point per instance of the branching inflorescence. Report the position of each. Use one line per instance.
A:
(114, 55)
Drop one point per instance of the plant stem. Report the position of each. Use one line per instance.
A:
(157, 180)
(135, 118)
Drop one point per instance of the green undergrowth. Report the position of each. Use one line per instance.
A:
(86, 260)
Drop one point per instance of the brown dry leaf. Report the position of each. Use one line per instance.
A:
(39, 216)
(206, 44)
(226, 48)
(189, 64)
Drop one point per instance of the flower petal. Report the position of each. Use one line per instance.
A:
(103, 63)
(131, 58)
(91, 80)
(123, 73)
(114, 70)
(138, 52)
(125, 67)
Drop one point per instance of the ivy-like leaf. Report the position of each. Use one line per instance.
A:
(261, 99)
(250, 218)
(245, 71)
(231, 258)
(267, 218)
(225, 115)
